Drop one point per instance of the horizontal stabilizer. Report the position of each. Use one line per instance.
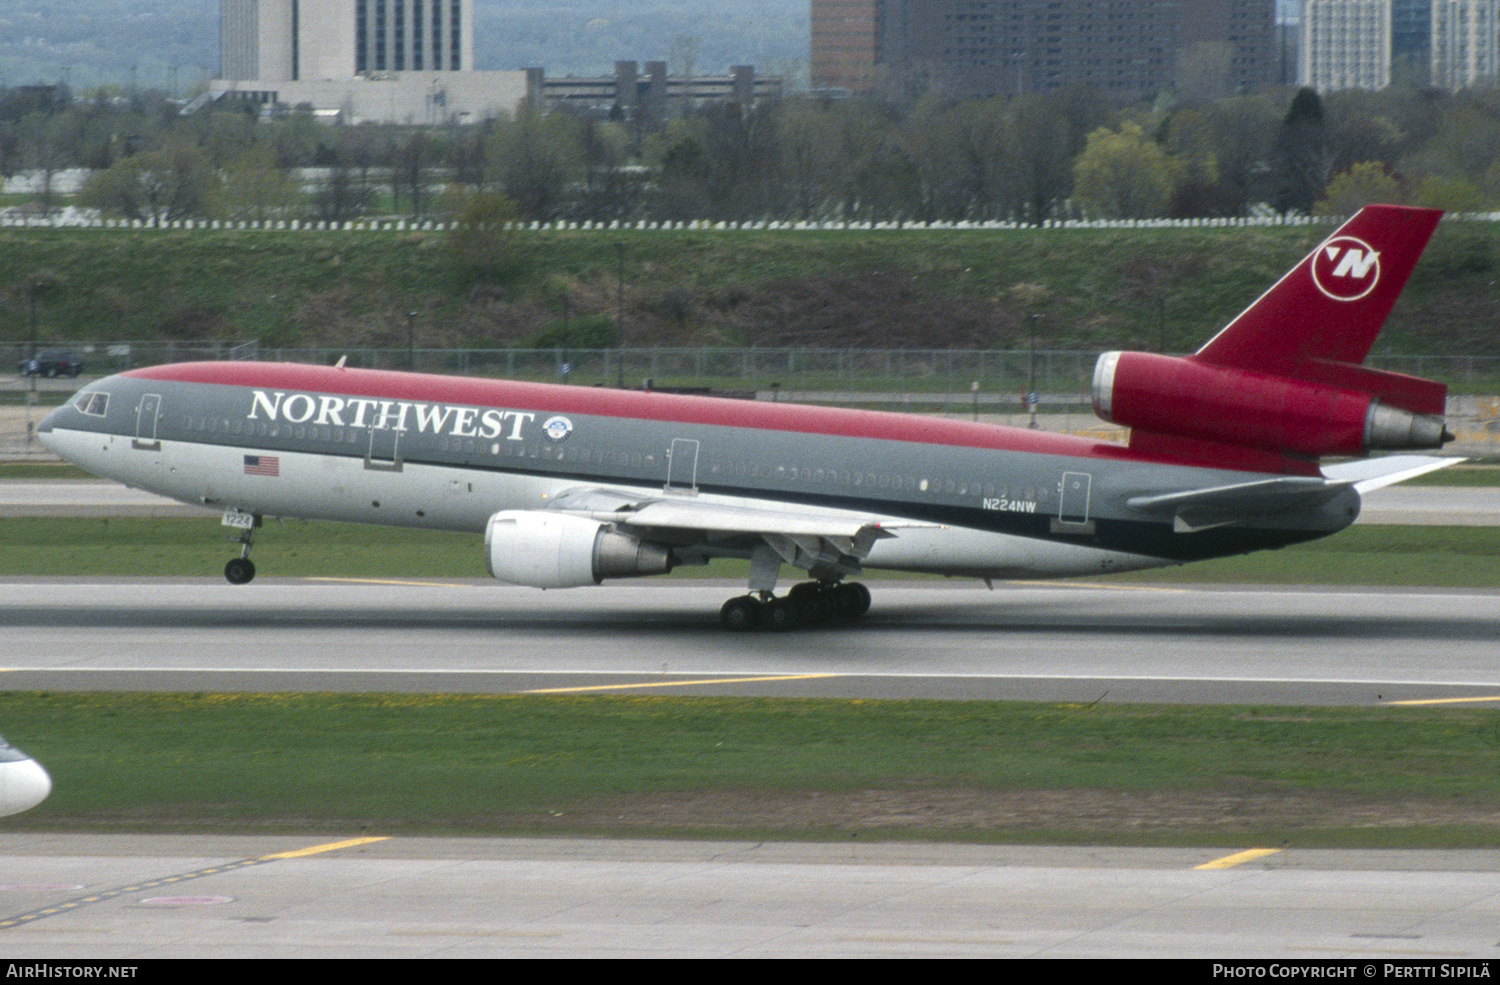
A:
(1243, 497)
(1370, 474)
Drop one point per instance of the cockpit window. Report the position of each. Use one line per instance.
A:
(94, 404)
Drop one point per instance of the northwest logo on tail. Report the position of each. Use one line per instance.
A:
(1346, 269)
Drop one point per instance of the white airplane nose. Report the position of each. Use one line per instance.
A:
(23, 785)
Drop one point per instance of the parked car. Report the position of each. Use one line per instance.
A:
(54, 363)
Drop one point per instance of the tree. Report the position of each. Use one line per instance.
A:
(256, 190)
(533, 157)
(1301, 154)
(1357, 187)
(481, 241)
(169, 185)
(809, 139)
(1123, 174)
(1047, 132)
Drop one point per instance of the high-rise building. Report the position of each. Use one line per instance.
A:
(391, 60)
(1368, 44)
(844, 43)
(1411, 41)
(1346, 44)
(1465, 43)
(306, 40)
(1128, 48)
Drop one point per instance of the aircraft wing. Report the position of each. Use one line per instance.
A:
(806, 539)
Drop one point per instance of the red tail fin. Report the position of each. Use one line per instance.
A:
(1282, 384)
(1332, 304)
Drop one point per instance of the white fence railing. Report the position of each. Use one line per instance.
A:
(21, 218)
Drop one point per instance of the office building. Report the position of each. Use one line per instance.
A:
(1368, 44)
(1465, 43)
(1127, 48)
(392, 61)
(1346, 44)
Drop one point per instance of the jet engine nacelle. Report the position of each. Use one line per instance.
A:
(1186, 398)
(23, 782)
(556, 550)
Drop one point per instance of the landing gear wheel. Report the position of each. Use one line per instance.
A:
(780, 615)
(239, 571)
(741, 614)
(811, 601)
(853, 600)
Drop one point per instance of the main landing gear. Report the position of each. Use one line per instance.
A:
(809, 603)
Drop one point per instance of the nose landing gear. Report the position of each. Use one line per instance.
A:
(240, 570)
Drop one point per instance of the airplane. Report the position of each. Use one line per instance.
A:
(573, 485)
(23, 781)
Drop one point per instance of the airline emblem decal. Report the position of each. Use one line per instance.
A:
(1346, 269)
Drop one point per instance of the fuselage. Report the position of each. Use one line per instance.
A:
(416, 450)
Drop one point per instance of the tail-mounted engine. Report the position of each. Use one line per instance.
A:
(1327, 409)
(556, 550)
(1284, 384)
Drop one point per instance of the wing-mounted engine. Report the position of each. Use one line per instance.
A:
(557, 550)
(1282, 385)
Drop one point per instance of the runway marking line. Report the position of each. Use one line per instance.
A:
(213, 870)
(332, 846)
(388, 581)
(1238, 858)
(1445, 701)
(709, 680)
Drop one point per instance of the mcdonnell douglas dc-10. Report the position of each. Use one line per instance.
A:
(572, 485)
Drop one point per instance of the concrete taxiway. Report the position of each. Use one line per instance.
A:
(126, 897)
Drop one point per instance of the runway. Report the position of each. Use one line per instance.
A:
(126, 898)
(1034, 641)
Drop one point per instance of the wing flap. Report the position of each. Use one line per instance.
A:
(817, 542)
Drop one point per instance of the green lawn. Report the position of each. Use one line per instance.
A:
(471, 764)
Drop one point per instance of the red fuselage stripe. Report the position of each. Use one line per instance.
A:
(673, 408)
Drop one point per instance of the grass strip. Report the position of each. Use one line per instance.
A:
(1450, 557)
(745, 767)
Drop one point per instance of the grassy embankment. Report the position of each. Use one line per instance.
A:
(912, 289)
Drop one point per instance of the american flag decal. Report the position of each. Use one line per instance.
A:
(262, 465)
